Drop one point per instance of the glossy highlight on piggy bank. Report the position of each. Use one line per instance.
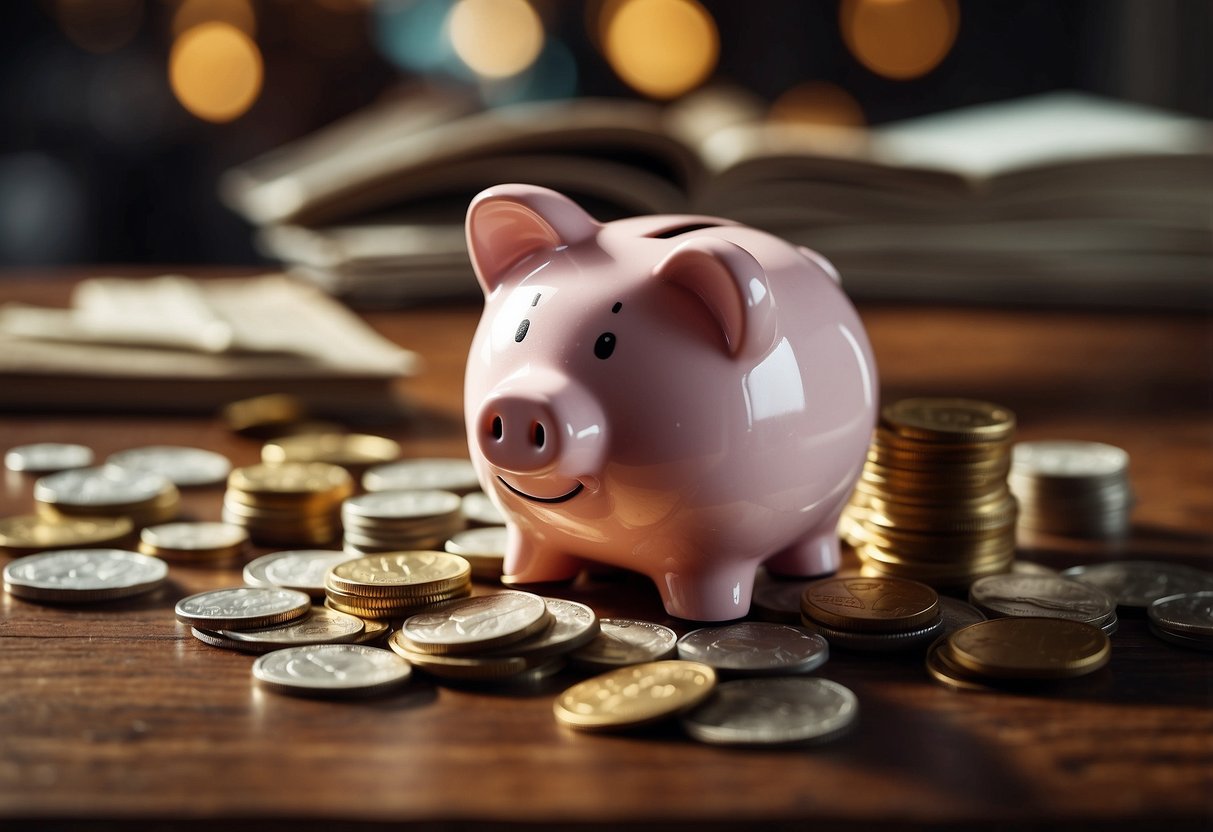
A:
(681, 396)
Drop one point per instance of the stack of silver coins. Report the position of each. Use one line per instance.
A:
(396, 521)
(1072, 488)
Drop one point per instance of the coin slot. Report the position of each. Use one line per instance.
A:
(681, 229)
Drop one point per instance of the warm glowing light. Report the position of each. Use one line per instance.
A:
(99, 25)
(496, 38)
(215, 71)
(818, 103)
(899, 39)
(238, 13)
(662, 48)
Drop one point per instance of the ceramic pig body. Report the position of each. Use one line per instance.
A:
(680, 396)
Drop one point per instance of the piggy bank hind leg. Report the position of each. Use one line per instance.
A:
(814, 554)
(527, 561)
(712, 594)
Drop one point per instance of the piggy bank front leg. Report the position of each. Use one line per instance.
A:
(719, 593)
(529, 561)
(812, 555)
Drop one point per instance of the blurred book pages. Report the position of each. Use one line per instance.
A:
(1059, 198)
(175, 344)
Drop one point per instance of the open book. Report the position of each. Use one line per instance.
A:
(1057, 198)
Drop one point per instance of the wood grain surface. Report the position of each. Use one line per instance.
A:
(113, 716)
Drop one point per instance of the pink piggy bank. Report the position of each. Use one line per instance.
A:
(677, 395)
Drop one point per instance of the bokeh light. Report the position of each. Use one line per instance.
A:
(43, 211)
(552, 76)
(412, 34)
(238, 13)
(215, 71)
(496, 38)
(818, 104)
(661, 48)
(99, 26)
(899, 39)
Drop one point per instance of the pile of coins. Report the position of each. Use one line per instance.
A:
(295, 503)
(932, 503)
(1186, 620)
(497, 637)
(1006, 653)
(397, 584)
(107, 492)
(392, 521)
(194, 543)
(872, 614)
(302, 569)
(1045, 596)
(1072, 488)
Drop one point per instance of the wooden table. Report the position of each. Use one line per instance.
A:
(115, 714)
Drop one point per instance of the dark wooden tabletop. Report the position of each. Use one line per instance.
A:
(113, 716)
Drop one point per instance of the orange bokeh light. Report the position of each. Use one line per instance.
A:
(215, 71)
(818, 103)
(899, 39)
(661, 48)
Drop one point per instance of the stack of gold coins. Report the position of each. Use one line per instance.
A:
(393, 521)
(26, 534)
(495, 637)
(194, 543)
(107, 492)
(872, 614)
(396, 584)
(1007, 653)
(349, 450)
(932, 503)
(295, 503)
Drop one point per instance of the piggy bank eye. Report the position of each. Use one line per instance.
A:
(605, 345)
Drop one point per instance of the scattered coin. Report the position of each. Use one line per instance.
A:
(28, 533)
(242, 608)
(473, 625)
(479, 510)
(1031, 648)
(319, 626)
(788, 711)
(302, 569)
(83, 575)
(957, 614)
(483, 548)
(107, 491)
(1072, 488)
(878, 605)
(779, 601)
(622, 642)
(179, 465)
(351, 450)
(47, 457)
(456, 475)
(1185, 619)
(1138, 583)
(1042, 596)
(755, 648)
(199, 542)
(264, 415)
(632, 696)
(332, 669)
(389, 521)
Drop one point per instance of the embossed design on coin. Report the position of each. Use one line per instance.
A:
(622, 642)
(47, 457)
(755, 648)
(98, 487)
(455, 475)
(1137, 583)
(320, 626)
(791, 711)
(83, 575)
(301, 569)
(384, 574)
(332, 669)
(1039, 648)
(876, 604)
(243, 608)
(474, 624)
(636, 695)
(573, 625)
(927, 418)
(179, 465)
(1041, 595)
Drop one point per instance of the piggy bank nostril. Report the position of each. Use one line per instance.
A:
(497, 428)
(537, 435)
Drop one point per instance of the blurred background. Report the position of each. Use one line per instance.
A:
(120, 115)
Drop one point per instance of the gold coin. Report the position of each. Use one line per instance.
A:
(960, 420)
(400, 574)
(1030, 648)
(292, 478)
(30, 531)
(635, 695)
(409, 602)
(943, 669)
(879, 605)
(469, 668)
(262, 414)
(402, 609)
(352, 449)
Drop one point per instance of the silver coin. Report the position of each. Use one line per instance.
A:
(573, 625)
(332, 669)
(1182, 639)
(484, 621)
(779, 601)
(242, 608)
(1041, 595)
(755, 648)
(47, 457)
(99, 487)
(957, 614)
(179, 465)
(1027, 567)
(1189, 614)
(84, 575)
(190, 537)
(321, 625)
(787, 711)
(1067, 458)
(862, 642)
(455, 475)
(478, 508)
(1136, 583)
(302, 569)
(401, 505)
(624, 641)
(484, 542)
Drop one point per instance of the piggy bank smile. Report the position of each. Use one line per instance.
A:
(535, 498)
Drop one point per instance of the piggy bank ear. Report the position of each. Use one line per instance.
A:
(508, 222)
(728, 281)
